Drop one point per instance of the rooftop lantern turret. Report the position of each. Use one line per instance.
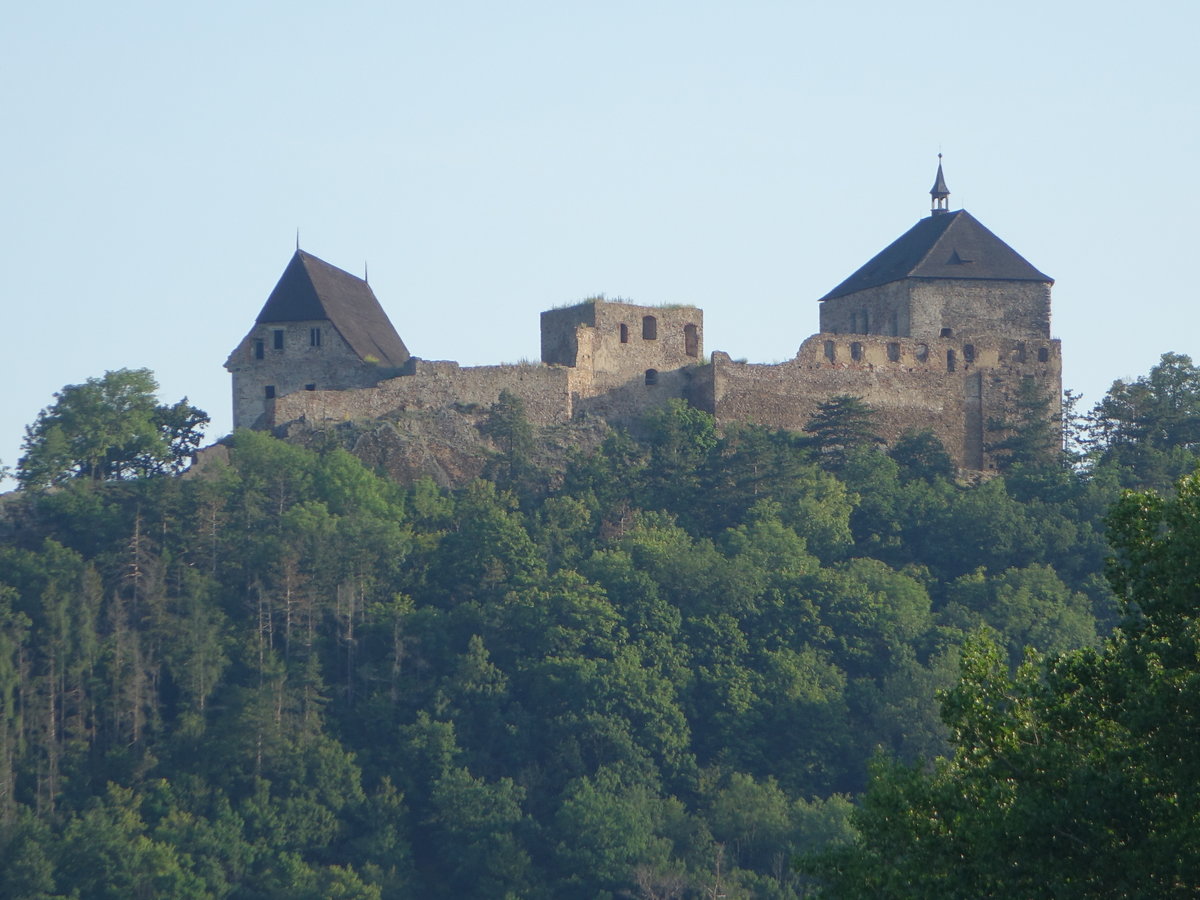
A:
(939, 193)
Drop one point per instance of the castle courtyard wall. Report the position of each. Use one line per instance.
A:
(546, 391)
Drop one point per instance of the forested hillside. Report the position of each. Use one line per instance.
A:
(661, 672)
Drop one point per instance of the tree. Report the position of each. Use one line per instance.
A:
(109, 428)
(1073, 777)
(839, 427)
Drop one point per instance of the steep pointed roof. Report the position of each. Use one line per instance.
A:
(311, 289)
(939, 191)
(952, 245)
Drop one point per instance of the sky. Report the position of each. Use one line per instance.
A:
(486, 161)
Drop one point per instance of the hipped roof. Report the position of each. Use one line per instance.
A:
(311, 289)
(949, 245)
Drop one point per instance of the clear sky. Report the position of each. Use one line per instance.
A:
(490, 160)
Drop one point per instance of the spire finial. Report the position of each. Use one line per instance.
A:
(939, 193)
(366, 273)
(297, 238)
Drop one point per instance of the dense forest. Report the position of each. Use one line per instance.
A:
(689, 664)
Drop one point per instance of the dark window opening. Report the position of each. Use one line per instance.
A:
(951, 362)
(856, 351)
(1043, 354)
(866, 322)
(652, 376)
(947, 332)
(277, 339)
(649, 328)
(830, 351)
(691, 340)
(310, 387)
(314, 337)
(895, 323)
(1021, 351)
(260, 347)
(969, 353)
(624, 333)
(854, 323)
(922, 352)
(270, 392)
(893, 351)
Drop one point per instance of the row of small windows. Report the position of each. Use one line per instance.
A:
(277, 334)
(691, 336)
(922, 353)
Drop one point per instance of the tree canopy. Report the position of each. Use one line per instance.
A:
(107, 429)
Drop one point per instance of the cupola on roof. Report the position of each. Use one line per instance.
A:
(943, 245)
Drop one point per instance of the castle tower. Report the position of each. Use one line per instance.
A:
(320, 329)
(948, 275)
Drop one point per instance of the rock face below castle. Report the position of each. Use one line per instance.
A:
(943, 331)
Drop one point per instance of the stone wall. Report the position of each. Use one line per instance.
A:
(546, 390)
(279, 359)
(620, 343)
(924, 308)
(951, 387)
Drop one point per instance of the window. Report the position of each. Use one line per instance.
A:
(854, 323)
(277, 335)
(260, 347)
(830, 351)
(856, 351)
(652, 376)
(947, 332)
(1043, 354)
(951, 362)
(624, 333)
(893, 351)
(691, 340)
(314, 337)
(969, 353)
(270, 392)
(649, 328)
(922, 352)
(310, 387)
(866, 322)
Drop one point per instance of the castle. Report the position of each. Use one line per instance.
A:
(941, 331)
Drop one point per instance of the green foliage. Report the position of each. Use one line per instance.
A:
(109, 428)
(665, 675)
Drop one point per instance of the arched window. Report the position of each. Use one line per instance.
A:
(649, 328)
(652, 376)
(624, 329)
(691, 340)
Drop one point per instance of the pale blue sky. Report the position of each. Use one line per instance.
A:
(492, 160)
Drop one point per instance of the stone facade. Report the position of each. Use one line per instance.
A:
(941, 331)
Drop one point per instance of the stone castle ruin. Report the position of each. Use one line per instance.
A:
(943, 330)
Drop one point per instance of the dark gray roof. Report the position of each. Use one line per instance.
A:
(311, 289)
(951, 245)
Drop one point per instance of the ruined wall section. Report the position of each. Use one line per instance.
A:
(278, 359)
(622, 344)
(950, 387)
(546, 391)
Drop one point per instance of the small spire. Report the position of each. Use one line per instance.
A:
(939, 193)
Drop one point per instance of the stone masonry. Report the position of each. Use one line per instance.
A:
(939, 331)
